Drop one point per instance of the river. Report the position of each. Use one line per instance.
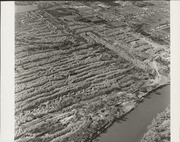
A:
(133, 126)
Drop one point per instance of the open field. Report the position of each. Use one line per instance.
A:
(81, 65)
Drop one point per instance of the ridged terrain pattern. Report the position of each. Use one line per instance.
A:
(78, 68)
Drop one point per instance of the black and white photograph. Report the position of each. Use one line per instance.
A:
(92, 71)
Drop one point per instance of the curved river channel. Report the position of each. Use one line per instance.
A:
(132, 127)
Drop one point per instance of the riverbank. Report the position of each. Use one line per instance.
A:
(94, 136)
(153, 90)
(159, 129)
(107, 126)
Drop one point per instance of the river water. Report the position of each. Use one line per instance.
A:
(133, 126)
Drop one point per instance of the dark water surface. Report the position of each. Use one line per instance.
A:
(134, 125)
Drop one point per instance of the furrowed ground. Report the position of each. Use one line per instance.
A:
(81, 65)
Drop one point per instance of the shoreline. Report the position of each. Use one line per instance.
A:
(95, 135)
